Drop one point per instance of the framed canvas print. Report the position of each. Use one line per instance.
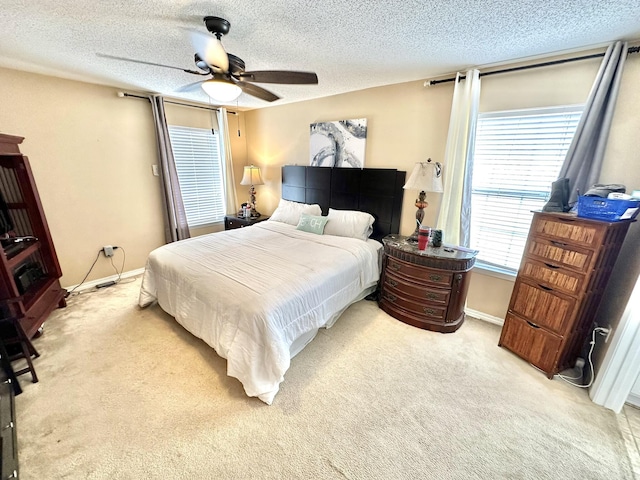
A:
(338, 144)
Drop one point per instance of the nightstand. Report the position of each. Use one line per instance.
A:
(425, 288)
(232, 221)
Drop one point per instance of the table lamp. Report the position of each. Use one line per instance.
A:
(252, 177)
(425, 177)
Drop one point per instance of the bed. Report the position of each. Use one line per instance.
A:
(258, 295)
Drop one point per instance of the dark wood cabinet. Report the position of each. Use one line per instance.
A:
(565, 268)
(425, 288)
(232, 221)
(29, 270)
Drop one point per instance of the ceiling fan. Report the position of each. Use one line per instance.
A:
(227, 75)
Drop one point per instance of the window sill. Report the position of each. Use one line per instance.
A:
(214, 223)
(494, 271)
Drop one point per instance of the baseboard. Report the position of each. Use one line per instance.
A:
(484, 316)
(112, 278)
(634, 400)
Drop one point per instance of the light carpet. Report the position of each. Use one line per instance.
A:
(126, 392)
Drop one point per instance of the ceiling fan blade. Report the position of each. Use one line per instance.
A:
(192, 87)
(113, 57)
(210, 49)
(280, 76)
(258, 92)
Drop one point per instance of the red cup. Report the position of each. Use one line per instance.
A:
(423, 237)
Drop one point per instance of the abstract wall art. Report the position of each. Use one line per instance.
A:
(338, 144)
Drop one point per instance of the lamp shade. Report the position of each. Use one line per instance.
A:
(221, 89)
(251, 176)
(425, 177)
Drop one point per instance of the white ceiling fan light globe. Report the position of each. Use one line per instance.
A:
(221, 90)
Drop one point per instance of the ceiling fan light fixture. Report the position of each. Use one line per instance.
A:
(221, 90)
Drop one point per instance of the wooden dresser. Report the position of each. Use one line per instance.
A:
(426, 289)
(564, 271)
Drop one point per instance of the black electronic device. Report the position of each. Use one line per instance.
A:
(12, 245)
(27, 275)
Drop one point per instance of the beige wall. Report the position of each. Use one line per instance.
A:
(408, 123)
(622, 165)
(91, 154)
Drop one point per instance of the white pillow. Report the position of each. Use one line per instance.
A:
(349, 223)
(289, 212)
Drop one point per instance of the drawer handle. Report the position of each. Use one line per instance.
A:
(558, 244)
(429, 311)
(435, 278)
(393, 283)
(532, 324)
(431, 296)
(550, 265)
(9, 425)
(394, 266)
(544, 287)
(390, 297)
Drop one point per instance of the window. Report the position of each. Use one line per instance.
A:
(518, 154)
(199, 165)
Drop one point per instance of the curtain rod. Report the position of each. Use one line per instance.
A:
(125, 94)
(527, 67)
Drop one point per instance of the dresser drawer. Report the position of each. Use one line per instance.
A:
(545, 307)
(418, 273)
(421, 321)
(569, 229)
(423, 309)
(534, 344)
(431, 295)
(551, 275)
(559, 253)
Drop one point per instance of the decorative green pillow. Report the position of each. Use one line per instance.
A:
(312, 223)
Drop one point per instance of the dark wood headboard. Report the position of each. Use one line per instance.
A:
(377, 191)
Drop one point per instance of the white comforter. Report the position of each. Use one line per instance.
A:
(251, 292)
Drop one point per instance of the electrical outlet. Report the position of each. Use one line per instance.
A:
(108, 250)
(154, 170)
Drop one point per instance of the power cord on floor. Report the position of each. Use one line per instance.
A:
(85, 277)
(119, 273)
(601, 331)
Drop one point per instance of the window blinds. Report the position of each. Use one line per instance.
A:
(198, 163)
(518, 154)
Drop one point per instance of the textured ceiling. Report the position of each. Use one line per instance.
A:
(351, 45)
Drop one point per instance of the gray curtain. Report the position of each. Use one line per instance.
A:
(583, 162)
(175, 225)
